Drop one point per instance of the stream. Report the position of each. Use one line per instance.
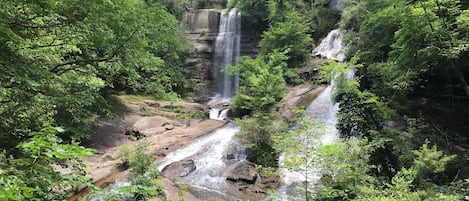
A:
(210, 153)
(323, 113)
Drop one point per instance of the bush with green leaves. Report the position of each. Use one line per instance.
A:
(345, 175)
(137, 158)
(32, 173)
(256, 133)
(257, 91)
(140, 187)
(290, 36)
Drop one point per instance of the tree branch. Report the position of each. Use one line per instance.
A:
(75, 64)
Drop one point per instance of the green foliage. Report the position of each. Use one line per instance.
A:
(141, 187)
(252, 18)
(188, 116)
(360, 113)
(298, 146)
(182, 188)
(345, 175)
(256, 133)
(344, 169)
(32, 176)
(59, 61)
(137, 159)
(256, 92)
(429, 160)
(322, 19)
(288, 35)
(402, 43)
(176, 8)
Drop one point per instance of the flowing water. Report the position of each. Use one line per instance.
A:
(213, 152)
(210, 154)
(336, 5)
(227, 52)
(323, 113)
(331, 47)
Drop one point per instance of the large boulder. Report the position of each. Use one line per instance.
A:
(243, 171)
(178, 169)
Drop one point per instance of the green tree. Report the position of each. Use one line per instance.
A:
(63, 59)
(257, 93)
(32, 176)
(298, 146)
(288, 35)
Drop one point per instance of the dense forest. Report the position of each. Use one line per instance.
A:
(402, 118)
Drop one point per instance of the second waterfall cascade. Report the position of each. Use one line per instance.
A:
(323, 113)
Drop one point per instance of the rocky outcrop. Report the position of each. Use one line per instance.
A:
(300, 97)
(160, 126)
(242, 171)
(244, 181)
(203, 26)
(178, 169)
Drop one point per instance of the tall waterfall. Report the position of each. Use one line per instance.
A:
(227, 52)
(210, 153)
(323, 113)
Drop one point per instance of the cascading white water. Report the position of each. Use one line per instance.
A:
(336, 5)
(331, 47)
(218, 113)
(323, 113)
(227, 52)
(209, 154)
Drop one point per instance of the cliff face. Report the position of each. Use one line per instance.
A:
(203, 26)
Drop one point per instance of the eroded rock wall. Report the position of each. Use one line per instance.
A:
(202, 26)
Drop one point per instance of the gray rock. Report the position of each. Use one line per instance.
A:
(243, 171)
(178, 169)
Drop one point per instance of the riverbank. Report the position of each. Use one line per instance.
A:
(166, 126)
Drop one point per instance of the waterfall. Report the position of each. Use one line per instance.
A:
(331, 47)
(336, 5)
(213, 152)
(323, 113)
(227, 52)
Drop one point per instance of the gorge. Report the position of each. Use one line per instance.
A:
(325, 100)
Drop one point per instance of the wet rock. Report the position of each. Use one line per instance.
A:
(243, 171)
(300, 96)
(178, 169)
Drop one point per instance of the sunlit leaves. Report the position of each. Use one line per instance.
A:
(256, 92)
(33, 176)
(288, 35)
